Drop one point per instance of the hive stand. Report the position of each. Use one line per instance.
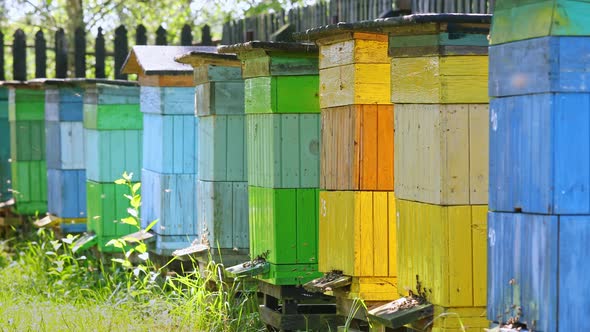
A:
(113, 137)
(169, 168)
(65, 151)
(282, 116)
(539, 165)
(26, 108)
(222, 187)
(357, 204)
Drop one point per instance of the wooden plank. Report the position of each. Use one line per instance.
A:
(220, 98)
(111, 94)
(29, 184)
(65, 187)
(480, 267)
(355, 84)
(381, 234)
(165, 80)
(27, 140)
(112, 116)
(167, 100)
(460, 268)
(435, 79)
(214, 73)
(215, 213)
(284, 94)
(240, 215)
(110, 153)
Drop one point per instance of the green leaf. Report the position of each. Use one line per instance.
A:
(141, 248)
(151, 225)
(120, 181)
(116, 243)
(131, 239)
(130, 221)
(136, 201)
(136, 187)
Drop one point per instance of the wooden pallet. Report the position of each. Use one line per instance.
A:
(292, 308)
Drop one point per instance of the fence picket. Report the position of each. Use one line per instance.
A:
(40, 55)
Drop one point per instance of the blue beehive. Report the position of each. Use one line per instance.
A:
(65, 151)
(169, 170)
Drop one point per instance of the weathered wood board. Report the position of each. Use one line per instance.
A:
(219, 98)
(440, 79)
(357, 148)
(222, 148)
(5, 177)
(222, 210)
(65, 145)
(282, 94)
(357, 233)
(27, 140)
(283, 150)
(66, 193)
(64, 103)
(109, 153)
(444, 246)
(525, 19)
(29, 184)
(442, 153)
(167, 100)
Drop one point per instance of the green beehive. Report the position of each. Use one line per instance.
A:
(5, 179)
(113, 134)
(26, 115)
(282, 134)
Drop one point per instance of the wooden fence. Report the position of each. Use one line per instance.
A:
(62, 50)
(262, 27)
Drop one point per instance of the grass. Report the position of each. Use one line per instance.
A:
(46, 287)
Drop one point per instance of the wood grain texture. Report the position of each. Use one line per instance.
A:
(167, 100)
(222, 148)
(519, 20)
(26, 105)
(111, 94)
(523, 267)
(549, 64)
(165, 80)
(441, 153)
(110, 153)
(357, 148)
(439, 79)
(534, 167)
(284, 223)
(170, 143)
(354, 234)
(283, 94)
(64, 104)
(208, 73)
(65, 145)
(172, 199)
(435, 243)
(66, 193)
(353, 48)
(27, 140)
(223, 213)
(355, 84)
(367, 289)
(259, 64)
(283, 150)
(107, 205)
(219, 98)
(29, 184)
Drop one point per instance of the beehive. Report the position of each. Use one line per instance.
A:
(222, 185)
(357, 206)
(65, 150)
(170, 144)
(282, 121)
(26, 109)
(439, 89)
(538, 168)
(5, 178)
(113, 128)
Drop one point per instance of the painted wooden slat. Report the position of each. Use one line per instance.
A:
(354, 233)
(357, 148)
(23, 107)
(107, 205)
(274, 217)
(441, 135)
(550, 64)
(435, 243)
(63, 104)
(5, 174)
(65, 145)
(523, 266)
(215, 73)
(283, 150)
(519, 20)
(222, 148)
(29, 182)
(65, 187)
(167, 100)
(170, 198)
(440, 79)
(27, 140)
(353, 48)
(219, 98)
(536, 168)
(111, 94)
(223, 213)
(112, 152)
(290, 274)
(260, 65)
(283, 94)
(112, 116)
(170, 143)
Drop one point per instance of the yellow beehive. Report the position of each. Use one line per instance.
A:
(442, 153)
(357, 236)
(445, 248)
(439, 79)
(459, 319)
(354, 69)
